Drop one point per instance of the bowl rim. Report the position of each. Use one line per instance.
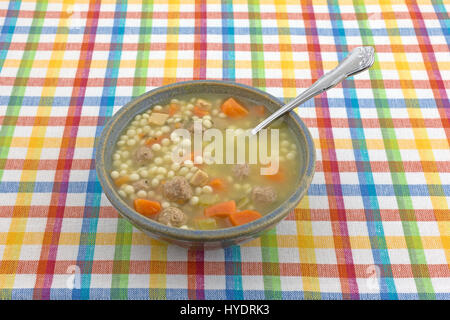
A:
(163, 231)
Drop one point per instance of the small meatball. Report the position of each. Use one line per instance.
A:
(143, 154)
(241, 171)
(178, 189)
(199, 178)
(173, 217)
(264, 195)
(143, 184)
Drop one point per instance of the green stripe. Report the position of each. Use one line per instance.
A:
(269, 246)
(412, 236)
(121, 265)
(256, 45)
(124, 233)
(20, 84)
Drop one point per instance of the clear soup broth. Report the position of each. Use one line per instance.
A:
(191, 163)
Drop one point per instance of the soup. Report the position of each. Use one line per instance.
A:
(191, 163)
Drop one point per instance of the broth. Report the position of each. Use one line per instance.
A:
(202, 191)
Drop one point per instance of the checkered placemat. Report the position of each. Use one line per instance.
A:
(375, 222)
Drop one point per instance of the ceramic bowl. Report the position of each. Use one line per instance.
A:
(203, 239)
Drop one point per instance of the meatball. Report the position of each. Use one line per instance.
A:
(264, 195)
(143, 184)
(143, 154)
(241, 171)
(178, 189)
(172, 216)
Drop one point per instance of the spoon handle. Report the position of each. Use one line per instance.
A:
(359, 59)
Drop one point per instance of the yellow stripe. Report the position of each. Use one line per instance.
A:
(16, 235)
(423, 144)
(217, 64)
(308, 254)
(304, 240)
(171, 59)
(286, 57)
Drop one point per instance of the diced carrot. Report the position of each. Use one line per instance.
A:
(147, 207)
(218, 184)
(233, 109)
(199, 112)
(173, 108)
(222, 210)
(277, 177)
(151, 141)
(243, 217)
(121, 180)
(259, 110)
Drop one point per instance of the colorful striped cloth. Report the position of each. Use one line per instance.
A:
(375, 222)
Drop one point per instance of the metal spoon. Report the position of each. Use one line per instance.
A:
(359, 59)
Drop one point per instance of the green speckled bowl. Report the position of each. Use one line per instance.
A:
(206, 239)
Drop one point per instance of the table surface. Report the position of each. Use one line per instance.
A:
(375, 222)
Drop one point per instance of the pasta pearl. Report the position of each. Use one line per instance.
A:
(141, 194)
(115, 174)
(155, 182)
(194, 200)
(128, 189)
(156, 147)
(207, 189)
(134, 177)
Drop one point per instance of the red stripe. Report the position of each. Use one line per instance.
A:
(200, 41)
(56, 211)
(57, 121)
(200, 73)
(287, 269)
(217, 15)
(76, 212)
(163, 46)
(432, 68)
(335, 198)
(196, 263)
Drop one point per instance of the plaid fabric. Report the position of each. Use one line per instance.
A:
(375, 222)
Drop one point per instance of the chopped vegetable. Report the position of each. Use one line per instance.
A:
(121, 180)
(147, 207)
(199, 178)
(218, 185)
(208, 199)
(206, 224)
(199, 112)
(277, 177)
(243, 202)
(173, 108)
(223, 209)
(233, 109)
(243, 217)
(151, 141)
(158, 118)
(259, 110)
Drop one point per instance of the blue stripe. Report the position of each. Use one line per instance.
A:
(365, 177)
(351, 32)
(443, 18)
(363, 189)
(7, 31)
(181, 294)
(93, 188)
(121, 100)
(233, 268)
